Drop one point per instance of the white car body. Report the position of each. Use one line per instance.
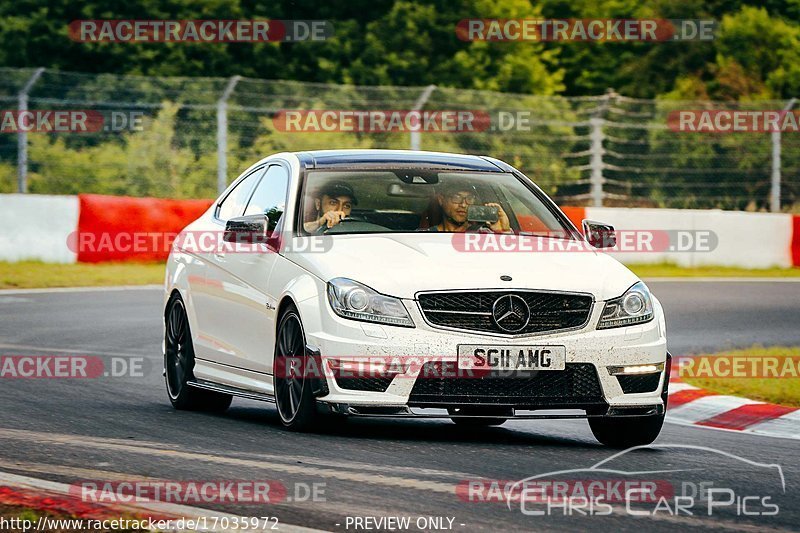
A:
(233, 301)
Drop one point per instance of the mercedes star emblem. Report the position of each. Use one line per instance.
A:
(511, 313)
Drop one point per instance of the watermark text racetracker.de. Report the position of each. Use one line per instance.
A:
(381, 121)
(619, 241)
(583, 30)
(559, 490)
(198, 492)
(62, 366)
(195, 242)
(735, 366)
(470, 362)
(733, 121)
(70, 121)
(199, 31)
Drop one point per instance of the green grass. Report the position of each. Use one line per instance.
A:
(28, 274)
(666, 270)
(783, 390)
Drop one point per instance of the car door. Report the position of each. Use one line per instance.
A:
(249, 307)
(212, 309)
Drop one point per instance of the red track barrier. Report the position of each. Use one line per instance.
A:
(103, 218)
(576, 215)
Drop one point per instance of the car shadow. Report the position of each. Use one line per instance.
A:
(416, 430)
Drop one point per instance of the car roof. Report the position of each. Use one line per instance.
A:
(380, 159)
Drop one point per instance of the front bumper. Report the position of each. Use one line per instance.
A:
(593, 352)
(524, 414)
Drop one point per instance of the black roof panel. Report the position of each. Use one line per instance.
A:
(378, 159)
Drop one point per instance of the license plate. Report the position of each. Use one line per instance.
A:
(482, 357)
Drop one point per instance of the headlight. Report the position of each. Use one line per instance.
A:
(350, 299)
(633, 307)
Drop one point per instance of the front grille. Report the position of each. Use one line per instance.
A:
(639, 383)
(472, 311)
(365, 383)
(577, 385)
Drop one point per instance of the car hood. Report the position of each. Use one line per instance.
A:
(403, 264)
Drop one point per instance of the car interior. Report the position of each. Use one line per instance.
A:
(406, 201)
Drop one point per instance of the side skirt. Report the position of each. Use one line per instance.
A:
(225, 389)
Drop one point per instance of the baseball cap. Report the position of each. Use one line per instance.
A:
(337, 188)
(456, 185)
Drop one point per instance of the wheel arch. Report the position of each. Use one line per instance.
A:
(302, 290)
(170, 297)
(286, 302)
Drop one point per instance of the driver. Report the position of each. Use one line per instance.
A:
(454, 199)
(333, 201)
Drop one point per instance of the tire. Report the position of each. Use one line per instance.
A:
(297, 407)
(179, 365)
(627, 431)
(483, 421)
(630, 431)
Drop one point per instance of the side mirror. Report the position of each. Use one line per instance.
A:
(250, 229)
(599, 235)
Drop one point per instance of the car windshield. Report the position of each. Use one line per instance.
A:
(386, 201)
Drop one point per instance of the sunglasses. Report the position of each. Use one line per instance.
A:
(469, 199)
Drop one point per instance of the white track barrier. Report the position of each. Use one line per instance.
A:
(747, 240)
(36, 227)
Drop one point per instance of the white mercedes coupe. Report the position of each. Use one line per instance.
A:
(409, 284)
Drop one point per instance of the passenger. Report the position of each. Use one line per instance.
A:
(332, 202)
(454, 200)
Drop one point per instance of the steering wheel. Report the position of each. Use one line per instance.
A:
(351, 218)
(324, 228)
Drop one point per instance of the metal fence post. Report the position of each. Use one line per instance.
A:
(596, 163)
(418, 105)
(775, 190)
(222, 134)
(22, 135)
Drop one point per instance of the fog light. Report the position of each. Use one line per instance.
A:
(635, 369)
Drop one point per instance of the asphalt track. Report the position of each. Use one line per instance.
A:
(124, 428)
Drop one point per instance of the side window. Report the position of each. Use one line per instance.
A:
(269, 197)
(233, 204)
